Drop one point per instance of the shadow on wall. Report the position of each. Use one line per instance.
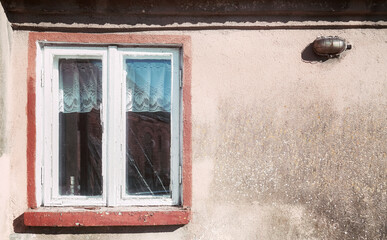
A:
(308, 55)
(162, 13)
(19, 227)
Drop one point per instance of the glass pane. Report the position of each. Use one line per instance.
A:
(80, 130)
(148, 130)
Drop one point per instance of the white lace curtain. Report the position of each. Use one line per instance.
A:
(148, 85)
(80, 85)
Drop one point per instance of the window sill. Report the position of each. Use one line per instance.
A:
(104, 216)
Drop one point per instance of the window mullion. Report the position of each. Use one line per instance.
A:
(113, 127)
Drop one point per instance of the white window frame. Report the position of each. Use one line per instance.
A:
(113, 119)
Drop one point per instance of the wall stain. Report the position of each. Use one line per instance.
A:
(331, 162)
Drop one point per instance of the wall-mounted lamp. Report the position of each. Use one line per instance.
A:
(330, 46)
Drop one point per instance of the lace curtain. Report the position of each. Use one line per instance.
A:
(148, 85)
(80, 85)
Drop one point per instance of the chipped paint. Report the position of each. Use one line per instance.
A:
(81, 218)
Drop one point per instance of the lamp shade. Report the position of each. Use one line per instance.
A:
(330, 46)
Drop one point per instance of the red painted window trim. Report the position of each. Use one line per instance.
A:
(105, 218)
(35, 217)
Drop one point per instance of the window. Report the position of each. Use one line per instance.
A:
(108, 124)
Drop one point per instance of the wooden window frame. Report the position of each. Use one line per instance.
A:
(37, 215)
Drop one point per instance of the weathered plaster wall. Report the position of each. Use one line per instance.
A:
(294, 150)
(282, 148)
(17, 121)
(5, 50)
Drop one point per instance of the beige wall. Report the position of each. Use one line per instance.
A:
(5, 49)
(292, 150)
(282, 148)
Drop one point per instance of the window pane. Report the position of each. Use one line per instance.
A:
(80, 130)
(148, 130)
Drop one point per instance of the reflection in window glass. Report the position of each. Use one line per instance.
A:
(148, 130)
(80, 130)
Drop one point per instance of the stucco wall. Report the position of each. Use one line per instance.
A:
(292, 149)
(5, 49)
(283, 148)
